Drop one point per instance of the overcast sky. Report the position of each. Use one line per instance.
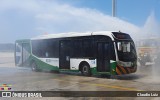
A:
(21, 19)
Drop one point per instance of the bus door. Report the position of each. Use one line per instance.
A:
(103, 57)
(25, 54)
(18, 54)
(22, 54)
(64, 55)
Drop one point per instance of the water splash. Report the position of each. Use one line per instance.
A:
(151, 29)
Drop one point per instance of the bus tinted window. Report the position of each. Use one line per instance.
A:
(87, 48)
(82, 47)
(45, 48)
(76, 50)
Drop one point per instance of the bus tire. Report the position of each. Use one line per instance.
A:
(85, 70)
(34, 66)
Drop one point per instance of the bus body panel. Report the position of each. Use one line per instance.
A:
(44, 64)
(75, 62)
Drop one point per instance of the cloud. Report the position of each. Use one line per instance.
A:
(28, 18)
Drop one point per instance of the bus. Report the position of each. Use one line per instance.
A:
(91, 53)
(148, 50)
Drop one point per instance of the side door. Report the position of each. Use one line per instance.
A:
(22, 53)
(64, 55)
(18, 54)
(25, 54)
(103, 57)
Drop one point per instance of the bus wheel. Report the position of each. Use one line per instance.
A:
(34, 67)
(86, 70)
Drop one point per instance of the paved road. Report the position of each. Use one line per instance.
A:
(23, 79)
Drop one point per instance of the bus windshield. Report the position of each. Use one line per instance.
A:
(126, 51)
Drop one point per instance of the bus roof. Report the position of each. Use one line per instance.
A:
(74, 34)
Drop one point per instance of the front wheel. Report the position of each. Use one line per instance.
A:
(86, 70)
(34, 67)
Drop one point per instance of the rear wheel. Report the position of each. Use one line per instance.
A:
(86, 70)
(34, 67)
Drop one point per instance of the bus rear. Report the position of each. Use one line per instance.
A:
(22, 52)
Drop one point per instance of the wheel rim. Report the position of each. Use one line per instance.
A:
(85, 69)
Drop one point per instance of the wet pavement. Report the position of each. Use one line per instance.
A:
(23, 79)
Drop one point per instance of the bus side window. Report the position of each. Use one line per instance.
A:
(113, 55)
(76, 50)
(47, 54)
(88, 48)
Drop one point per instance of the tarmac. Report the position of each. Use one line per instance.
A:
(23, 79)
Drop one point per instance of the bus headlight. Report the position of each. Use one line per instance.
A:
(124, 64)
(120, 63)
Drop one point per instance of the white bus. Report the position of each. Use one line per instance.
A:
(92, 53)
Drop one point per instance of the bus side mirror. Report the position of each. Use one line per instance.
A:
(119, 46)
(128, 47)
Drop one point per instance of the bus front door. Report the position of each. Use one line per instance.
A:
(64, 55)
(103, 57)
